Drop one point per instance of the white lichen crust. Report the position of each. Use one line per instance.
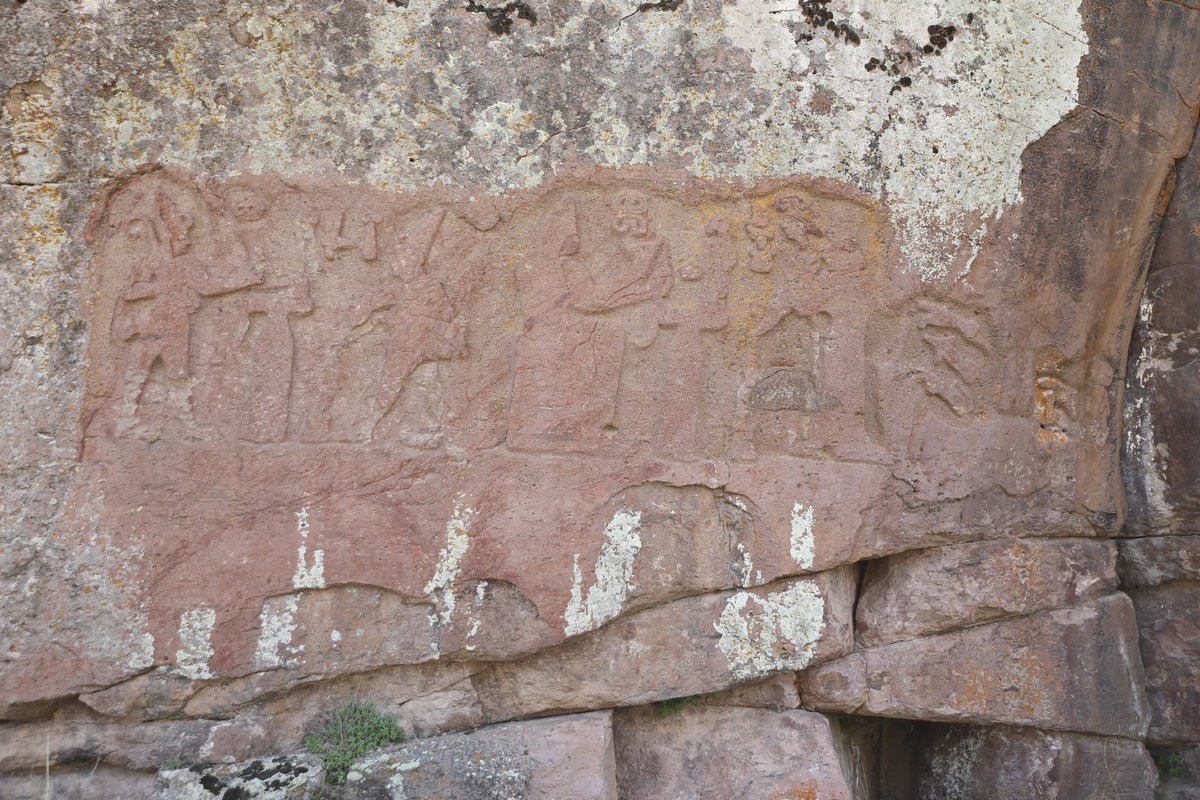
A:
(745, 90)
(760, 635)
(613, 576)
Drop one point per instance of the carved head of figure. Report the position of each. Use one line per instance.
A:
(140, 232)
(797, 223)
(247, 203)
(759, 231)
(631, 214)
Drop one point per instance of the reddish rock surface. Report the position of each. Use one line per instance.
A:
(688, 647)
(1043, 670)
(487, 362)
(730, 753)
(537, 759)
(930, 591)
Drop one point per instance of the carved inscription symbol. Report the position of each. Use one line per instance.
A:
(1053, 398)
(951, 359)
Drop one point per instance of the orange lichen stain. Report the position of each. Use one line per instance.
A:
(24, 99)
(1050, 399)
(809, 790)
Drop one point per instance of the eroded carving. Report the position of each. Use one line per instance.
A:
(596, 289)
(153, 325)
(571, 323)
(278, 346)
(934, 360)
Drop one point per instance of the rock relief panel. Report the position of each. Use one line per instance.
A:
(550, 392)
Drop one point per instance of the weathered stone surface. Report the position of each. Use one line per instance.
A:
(273, 281)
(1162, 406)
(966, 763)
(777, 692)
(84, 783)
(1178, 772)
(689, 647)
(930, 591)
(1168, 620)
(282, 778)
(1046, 670)
(78, 740)
(728, 753)
(155, 694)
(1151, 560)
(426, 700)
(541, 759)
(389, 688)
(402, 334)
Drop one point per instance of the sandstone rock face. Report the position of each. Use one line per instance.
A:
(929, 591)
(725, 752)
(1162, 414)
(692, 646)
(81, 784)
(1161, 467)
(1044, 671)
(1169, 629)
(1154, 560)
(285, 778)
(962, 763)
(538, 759)
(485, 362)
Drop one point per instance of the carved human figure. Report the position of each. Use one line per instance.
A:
(760, 243)
(407, 322)
(479, 286)
(934, 364)
(791, 368)
(799, 252)
(153, 319)
(699, 304)
(572, 349)
(334, 233)
(261, 372)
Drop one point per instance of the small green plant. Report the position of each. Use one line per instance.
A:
(1170, 765)
(347, 734)
(673, 706)
(176, 762)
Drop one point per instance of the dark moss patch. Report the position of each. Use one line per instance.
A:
(500, 18)
(660, 5)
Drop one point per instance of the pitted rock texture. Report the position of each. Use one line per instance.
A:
(962, 763)
(581, 356)
(282, 778)
(734, 753)
(543, 759)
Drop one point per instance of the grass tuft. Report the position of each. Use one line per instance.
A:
(347, 734)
